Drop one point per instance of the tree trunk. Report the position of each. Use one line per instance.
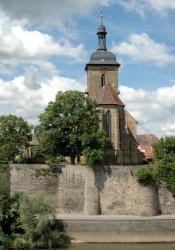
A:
(72, 159)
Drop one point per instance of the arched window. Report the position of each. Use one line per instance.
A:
(108, 124)
(102, 80)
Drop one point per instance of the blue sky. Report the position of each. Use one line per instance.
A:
(44, 46)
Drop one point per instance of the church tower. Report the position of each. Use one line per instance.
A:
(102, 86)
(102, 67)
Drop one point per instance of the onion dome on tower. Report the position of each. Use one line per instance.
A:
(102, 56)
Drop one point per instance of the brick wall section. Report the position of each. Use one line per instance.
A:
(110, 190)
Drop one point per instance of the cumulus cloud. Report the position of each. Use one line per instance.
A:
(162, 6)
(18, 45)
(140, 6)
(54, 13)
(134, 5)
(20, 98)
(30, 79)
(21, 46)
(141, 47)
(154, 110)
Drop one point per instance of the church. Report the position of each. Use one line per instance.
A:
(102, 87)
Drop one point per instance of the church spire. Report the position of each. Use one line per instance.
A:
(101, 32)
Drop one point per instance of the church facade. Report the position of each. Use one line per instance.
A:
(102, 86)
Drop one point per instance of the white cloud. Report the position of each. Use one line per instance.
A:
(162, 6)
(154, 110)
(30, 79)
(54, 13)
(134, 5)
(140, 6)
(19, 98)
(21, 46)
(141, 47)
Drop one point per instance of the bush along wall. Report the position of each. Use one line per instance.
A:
(30, 223)
(164, 158)
(144, 175)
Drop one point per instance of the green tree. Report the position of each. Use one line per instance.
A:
(164, 157)
(27, 223)
(14, 136)
(164, 150)
(70, 126)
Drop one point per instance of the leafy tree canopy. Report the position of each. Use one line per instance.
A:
(70, 126)
(14, 136)
(164, 150)
(164, 156)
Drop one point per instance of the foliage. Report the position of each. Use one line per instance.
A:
(10, 222)
(70, 126)
(144, 175)
(4, 240)
(52, 160)
(93, 156)
(14, 136)
(3, 182)
(164, 150)
(30, 223)
(29, 160)
(164, 157)
(38, 222)
(166, 173)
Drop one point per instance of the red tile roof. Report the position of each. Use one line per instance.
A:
(145, 142)
(109, 96)
(146, 139)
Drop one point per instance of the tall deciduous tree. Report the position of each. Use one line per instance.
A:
(70, 126)
(14, 136)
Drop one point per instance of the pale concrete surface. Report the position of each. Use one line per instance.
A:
(114, 217)
(114, 228)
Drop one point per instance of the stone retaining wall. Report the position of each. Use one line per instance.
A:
(108, 190)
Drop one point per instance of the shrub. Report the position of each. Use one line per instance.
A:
(164, 150)
(166, 173)
(164, 157)
(50, 160)
(143, 175)
(3, 182)
(30, 223)
(94, 156)
(20, 242)
(39, 225)
(4, 240)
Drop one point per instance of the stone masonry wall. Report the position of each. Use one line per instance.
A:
(94, 79)
(108, 190)
(65, 189)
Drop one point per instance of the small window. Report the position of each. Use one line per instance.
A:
(102, 80)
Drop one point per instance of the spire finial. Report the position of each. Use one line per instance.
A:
(101, 16)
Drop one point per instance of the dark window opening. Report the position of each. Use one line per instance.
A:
(108, 124)
(102, 80)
